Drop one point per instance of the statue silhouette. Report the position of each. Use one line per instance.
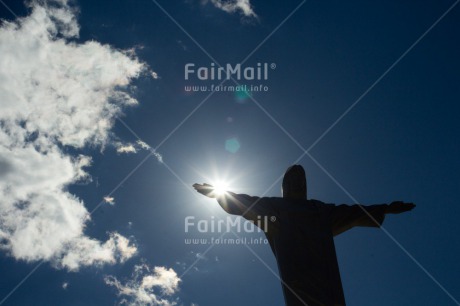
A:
(300, 233)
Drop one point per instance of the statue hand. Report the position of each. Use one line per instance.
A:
(398, 207)
(205, 189)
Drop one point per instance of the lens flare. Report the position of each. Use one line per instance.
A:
(220, 188)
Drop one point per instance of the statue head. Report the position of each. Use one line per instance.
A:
(294, 183)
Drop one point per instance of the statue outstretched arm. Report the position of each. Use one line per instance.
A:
(233, 203)
(344, 217)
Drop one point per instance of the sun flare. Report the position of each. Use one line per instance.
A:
(220, 188)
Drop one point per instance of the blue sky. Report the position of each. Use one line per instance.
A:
(94, 104)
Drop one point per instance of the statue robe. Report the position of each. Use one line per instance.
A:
(301, 236)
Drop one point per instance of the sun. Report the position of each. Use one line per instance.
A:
(220, 188)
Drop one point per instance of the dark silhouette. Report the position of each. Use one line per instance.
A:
(301, 235)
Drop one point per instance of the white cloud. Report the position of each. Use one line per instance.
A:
(126, 250)
(85, 251)
(143, 145)
(147, 286)
(157, 155)
(154, 75)
(65, 285)
(110, 200)
(244, 7)
(126, 148)
(55, 93)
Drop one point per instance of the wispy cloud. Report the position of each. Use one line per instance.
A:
(243, 7)
(127, 148)
(143, 145)
(55, 93)
(132, 147)
(147, 286)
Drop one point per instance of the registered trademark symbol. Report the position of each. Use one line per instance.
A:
(273, 218)
(272, 65)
